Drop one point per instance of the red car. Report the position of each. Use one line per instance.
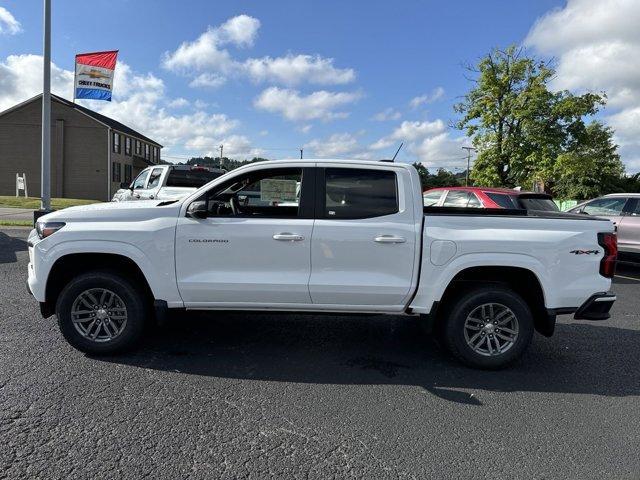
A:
(481, 197)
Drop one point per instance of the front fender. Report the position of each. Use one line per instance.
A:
(160, 274)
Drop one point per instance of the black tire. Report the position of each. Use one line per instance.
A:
(453, 326)
(132, 297)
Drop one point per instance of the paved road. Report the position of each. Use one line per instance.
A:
(239, 395)
(16, 213)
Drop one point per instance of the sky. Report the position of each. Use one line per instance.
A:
(337, 79)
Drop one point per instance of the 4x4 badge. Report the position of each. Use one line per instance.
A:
(585, 252)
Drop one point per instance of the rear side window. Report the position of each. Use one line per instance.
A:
(190, 178)
(360, 193)
(542, 204)
(504, 201)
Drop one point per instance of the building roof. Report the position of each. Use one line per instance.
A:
(103, 119)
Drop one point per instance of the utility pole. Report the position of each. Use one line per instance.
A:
(45, 177)
(221, 148)
(301, 150)
(468, 149)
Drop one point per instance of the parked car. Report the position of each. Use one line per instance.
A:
(166, 182)
(358, 240)
(623, 209)
(481, 197)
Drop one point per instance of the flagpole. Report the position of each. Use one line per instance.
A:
(45, 179)
(75, 75)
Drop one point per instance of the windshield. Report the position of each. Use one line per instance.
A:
(191, 178)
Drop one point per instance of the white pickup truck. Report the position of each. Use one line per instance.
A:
(321, 236)
(166, 182)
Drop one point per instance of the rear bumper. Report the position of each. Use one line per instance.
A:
(596, 307)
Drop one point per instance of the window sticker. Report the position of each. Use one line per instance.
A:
(272, 190)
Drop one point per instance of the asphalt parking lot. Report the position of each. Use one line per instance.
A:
(258, 395)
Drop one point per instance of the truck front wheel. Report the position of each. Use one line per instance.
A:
(101, 313)
(488, 327)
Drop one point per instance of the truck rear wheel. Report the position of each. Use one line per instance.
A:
(101, 313)
(489, 327)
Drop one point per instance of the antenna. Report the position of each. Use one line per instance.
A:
(397, 151)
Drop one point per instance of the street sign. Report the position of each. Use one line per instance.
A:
(21, 184)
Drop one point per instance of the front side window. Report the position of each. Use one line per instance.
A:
(359, 193)
(154, 178)
(269, 193)
(140, 180)
(456, 198)
(127, 146)
(430, 199)
(608, 207)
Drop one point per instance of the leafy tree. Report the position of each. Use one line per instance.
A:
(442, 177)
(590, 167)
(518, 125)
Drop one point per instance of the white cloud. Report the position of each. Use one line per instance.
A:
(410, 132)
(21, 78)
(138, 101)
(206, 53)
(387, 114)
(209, 62)
(338, 145)
(435, 95)
(208, 80)
(296, 69)
(596, 44)
(8, 24)
(178, 103)
(292, 105)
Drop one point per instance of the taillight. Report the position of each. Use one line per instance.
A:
(608, 241)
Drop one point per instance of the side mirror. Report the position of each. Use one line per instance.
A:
(126, 185)
(197, 209)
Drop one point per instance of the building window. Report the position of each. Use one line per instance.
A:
(127, 146)
(116, 172)
(146, 151)
(155, 154)
(138, 148)
(127, 173)
(116, 142)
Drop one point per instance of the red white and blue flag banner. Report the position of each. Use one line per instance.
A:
(94, 75)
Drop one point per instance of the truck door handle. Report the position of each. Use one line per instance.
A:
(288, 237)
(150, 197)
(389, 239)
(137, 195)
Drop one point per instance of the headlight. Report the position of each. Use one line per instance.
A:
(45, 229)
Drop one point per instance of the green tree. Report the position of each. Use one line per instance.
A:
(517, 124)
(442, 177)
(591, 167)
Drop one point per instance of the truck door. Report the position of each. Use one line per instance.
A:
(363, 249)
(254, 246)
(150, 190)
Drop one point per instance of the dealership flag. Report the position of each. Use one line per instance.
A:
(94, 75)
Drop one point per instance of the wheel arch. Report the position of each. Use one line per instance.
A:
(521, 280)
(68, 266)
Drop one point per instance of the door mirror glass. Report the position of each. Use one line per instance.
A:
(197, 209)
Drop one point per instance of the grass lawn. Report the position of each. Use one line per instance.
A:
(16, 223)
(34, 202)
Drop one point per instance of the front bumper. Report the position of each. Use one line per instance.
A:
(596, 307)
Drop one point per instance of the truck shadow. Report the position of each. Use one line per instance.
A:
(9, 246)
(580, 358)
